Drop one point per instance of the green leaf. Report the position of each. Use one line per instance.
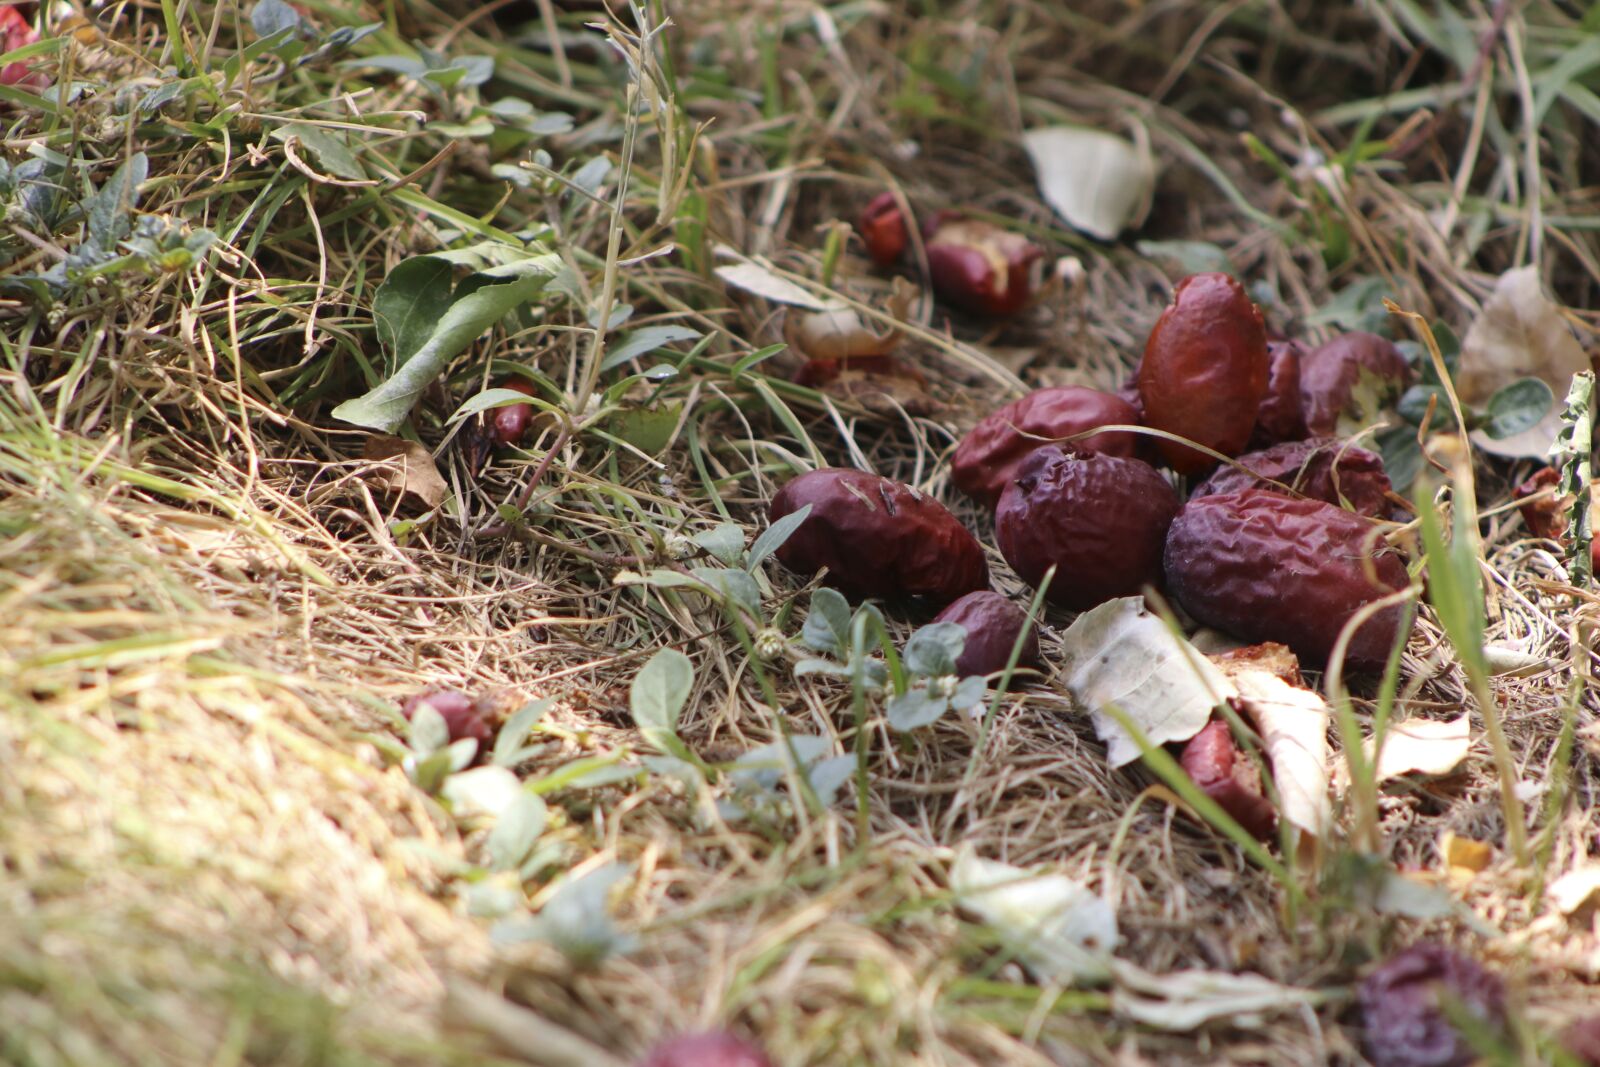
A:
(1402, 456)
(725, 542)
(508, 742)
(828, 776)
(659, 692)
(647, 429)
(749, 360)
(644, 341)
(933, 650)
(330, 147)
(1358, 306)
(773, 537)
(969, 693)
(410, 302)
(1454, 585)
(429, 732)
(1190, 257)
(516, 832)
(914, 709)
(1518, 407)
(733, 586)
(268, 17)
(487, 400)
(111, 207)
(386, 407)
(827, 627)
(576, 920)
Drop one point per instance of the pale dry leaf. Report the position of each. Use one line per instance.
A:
(405, 468)
(481, 791)
(1060, 929)
(1430, 747)
(1515, 662)
(839, 333)
(1121, 653)
(1096, 181)
(1186, 1000)
(1520, 333)
(1464, 854)
(1576, 888)
(1293, 724)
(753, 277)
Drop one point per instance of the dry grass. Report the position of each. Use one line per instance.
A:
(210, 606)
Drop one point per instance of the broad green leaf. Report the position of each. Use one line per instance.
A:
(110, 208)
(1190, 257)
(1402, 456)
(429, 732)
(1518, 407)
(773, 537)
(827, 627)
(969, 693)
(725, 542)
(516, 832)
(659, 692)
(576, 920)
(410, 303)
(735, 586)
(828, 776)
(268, 17)
(644, 341)
(386, 407)
(493, 398)
(330, 147)
(914, 709)
(647, 429)
(763, 767)
(933, 650)
(508, 742)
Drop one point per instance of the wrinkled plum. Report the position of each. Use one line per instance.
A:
(1267, 567)
(993, 624)
(988, 456)
(1322, 468)
(1101, 520)
(1402, 1013)
(1204, 372)
(878, 538)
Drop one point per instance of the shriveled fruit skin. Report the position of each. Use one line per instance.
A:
(1101, 520)
(706, 1050)
(878, 538)
(1204, 372)
(989, 455)
(992, 623)
(463, 715)
(1401, 1011)
(1266, 567)
(1280, 416)
(883, 229)
(1217, 766)
(1330, 372)
(1582, 1040)
(1321, 468)
(1546, 517)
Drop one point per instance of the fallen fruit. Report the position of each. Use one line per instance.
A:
(1322, 468)
(980, 268)
(988, 456)
(1267, 567)
(1281, 416)
(1402, 1007)
(463, 715)
(883, 229)
(1100, 520)
(706, 1050)
(1204, 372)
(1214, 762)
(15, 32)
(816, 373)
(993, 624)
(1546, 517)
(509, 425)
(1332, 377)
(878, 538)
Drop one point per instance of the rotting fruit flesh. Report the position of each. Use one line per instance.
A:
(1267, 567)
(1323, 468)
(980, 268)
(1217, 766)
(883, 229)
(1331, 377)
(878, 538)
(1100, 520)
(1204, 371)
(989, 455)
(993, 624)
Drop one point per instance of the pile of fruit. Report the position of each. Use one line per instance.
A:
(1281, 538)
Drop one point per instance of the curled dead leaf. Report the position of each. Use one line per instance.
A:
(404, 468)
